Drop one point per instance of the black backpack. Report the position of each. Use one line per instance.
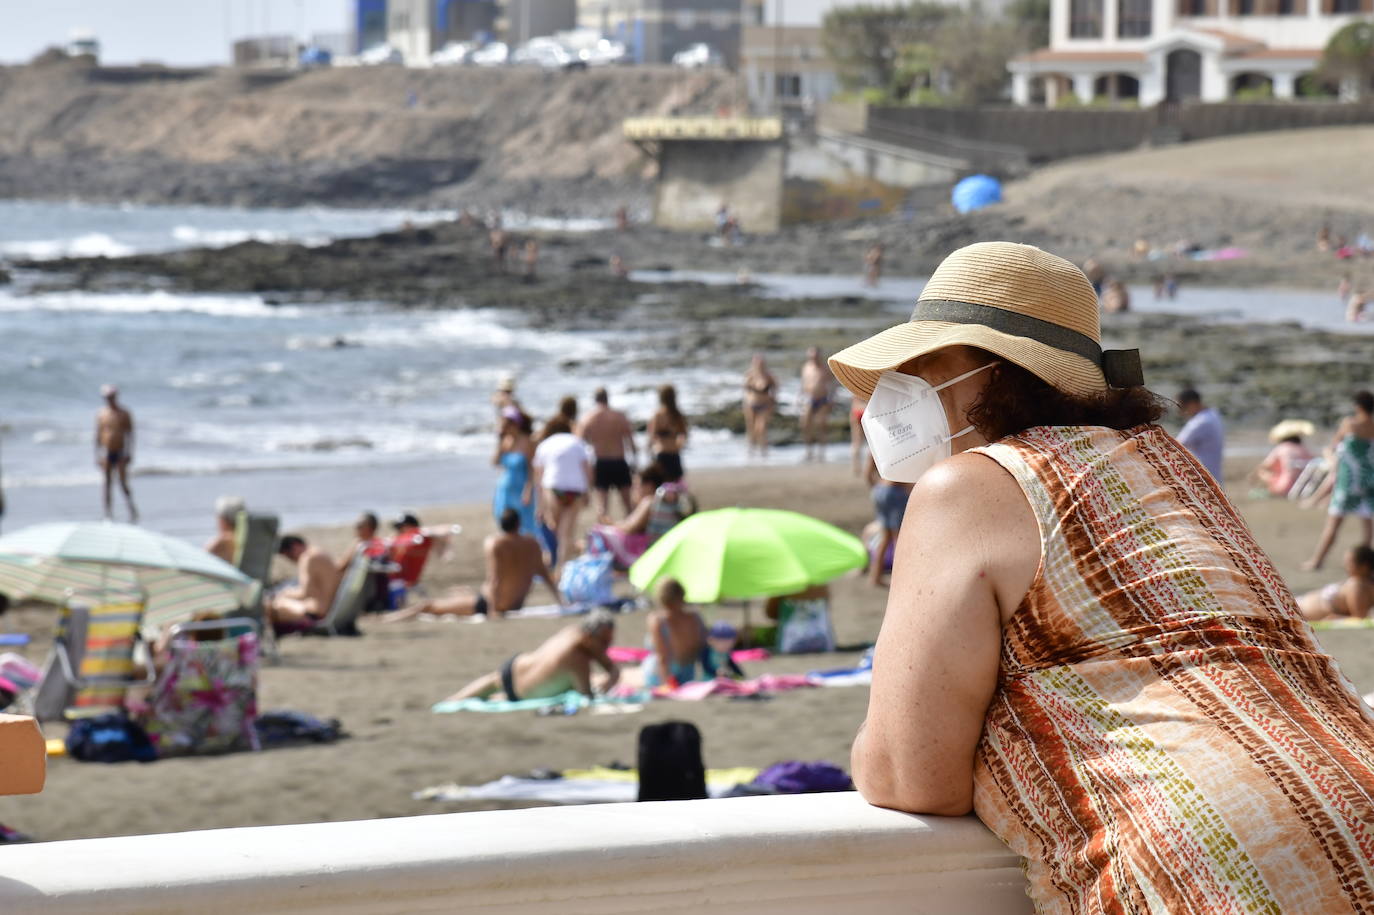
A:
(670, 766)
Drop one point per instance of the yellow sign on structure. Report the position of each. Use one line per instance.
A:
(703, 128)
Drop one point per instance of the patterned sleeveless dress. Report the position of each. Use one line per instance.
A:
(1166, 735)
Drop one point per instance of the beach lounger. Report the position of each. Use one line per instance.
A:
(205, 697)
(92, 662)
(255, 539)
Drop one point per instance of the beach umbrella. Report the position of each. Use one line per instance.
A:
(743, 553)
(976, 192)
(48, 561)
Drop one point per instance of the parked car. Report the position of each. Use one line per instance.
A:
(606, 52)
(495, 54)
(698, 56)
(381, 55)
(453, 54)
(549, 54)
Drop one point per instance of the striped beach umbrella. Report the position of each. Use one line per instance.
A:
(48, 561)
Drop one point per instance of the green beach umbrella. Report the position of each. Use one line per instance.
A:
(178, 580)
(743, 553)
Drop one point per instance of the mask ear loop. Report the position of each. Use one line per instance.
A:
(944, 384)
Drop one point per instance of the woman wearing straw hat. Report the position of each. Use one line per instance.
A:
(1288, 458)
(1083, 642)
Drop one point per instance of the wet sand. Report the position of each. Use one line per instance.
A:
(382, 685)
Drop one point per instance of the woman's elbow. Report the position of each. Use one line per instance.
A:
(882, 785)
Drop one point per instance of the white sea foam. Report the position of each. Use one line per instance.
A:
(158, 301)
(90, 244)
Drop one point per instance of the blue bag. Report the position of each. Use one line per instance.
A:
(109, 738)
(588, 580)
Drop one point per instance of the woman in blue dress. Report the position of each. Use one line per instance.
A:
(514, 450)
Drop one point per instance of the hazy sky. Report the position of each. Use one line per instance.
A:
(171, 31)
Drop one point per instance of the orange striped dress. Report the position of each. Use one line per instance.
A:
(1166, 735)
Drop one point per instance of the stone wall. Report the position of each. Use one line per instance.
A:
(696, 177)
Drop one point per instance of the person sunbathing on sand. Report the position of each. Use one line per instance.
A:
(513, 560)
(1350, 598)
(562, 663)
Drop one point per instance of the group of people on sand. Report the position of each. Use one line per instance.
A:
(761, 402)
(681, 649)
(548, 480)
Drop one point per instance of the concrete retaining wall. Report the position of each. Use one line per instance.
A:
(800, 855)
(695, 178)
(989, 138)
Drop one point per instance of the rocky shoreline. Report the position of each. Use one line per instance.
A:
(1255, 373)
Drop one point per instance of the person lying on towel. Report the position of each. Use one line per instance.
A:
(562, 663)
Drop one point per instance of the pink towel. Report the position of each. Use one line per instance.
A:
(768, 683)
(628, 654)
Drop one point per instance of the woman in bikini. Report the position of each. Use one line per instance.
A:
(1351, 598)
(759, 389)
(668, 434)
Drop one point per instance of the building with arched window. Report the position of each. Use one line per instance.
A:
(1152, 51)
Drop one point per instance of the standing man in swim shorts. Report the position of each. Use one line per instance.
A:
(612, 437)
(818, 394)
(114, 448)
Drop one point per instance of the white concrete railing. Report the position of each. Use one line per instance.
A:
(797, 855)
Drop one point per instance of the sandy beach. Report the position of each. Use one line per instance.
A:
(381, 687)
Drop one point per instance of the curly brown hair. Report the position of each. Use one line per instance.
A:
(1016, 400)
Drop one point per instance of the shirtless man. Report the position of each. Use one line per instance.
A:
(114, 448)
(317, 579)
(224, 544)
(514, 560)
(818, 387)
(611, 437)
(562, 663)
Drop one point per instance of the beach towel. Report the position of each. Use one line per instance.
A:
(576, 786)
(631, 654)
(860, 674)
(571, 699)
(768, 683)
(577, 608)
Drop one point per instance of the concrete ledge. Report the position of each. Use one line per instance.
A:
(777, 855)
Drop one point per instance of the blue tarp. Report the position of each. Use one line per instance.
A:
(976, 192)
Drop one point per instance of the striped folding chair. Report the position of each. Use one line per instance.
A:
(107, 668)
(92, 664)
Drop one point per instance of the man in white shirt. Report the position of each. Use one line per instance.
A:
(563, 467)
(1203, 433)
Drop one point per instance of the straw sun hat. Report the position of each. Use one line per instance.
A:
(1290, 427)
(1023, 304)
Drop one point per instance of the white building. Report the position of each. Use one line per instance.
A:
(1180, 50)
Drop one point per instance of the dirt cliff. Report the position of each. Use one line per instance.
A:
(336, 136)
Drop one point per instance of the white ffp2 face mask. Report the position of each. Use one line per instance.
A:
(906, 427)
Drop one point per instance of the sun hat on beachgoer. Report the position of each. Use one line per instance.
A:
(1016, 301)
(1289, 428)
(507, 384)
(108, 390)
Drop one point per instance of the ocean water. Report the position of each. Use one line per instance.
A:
(319, 412)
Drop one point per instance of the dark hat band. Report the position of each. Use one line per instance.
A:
(1121, 367)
